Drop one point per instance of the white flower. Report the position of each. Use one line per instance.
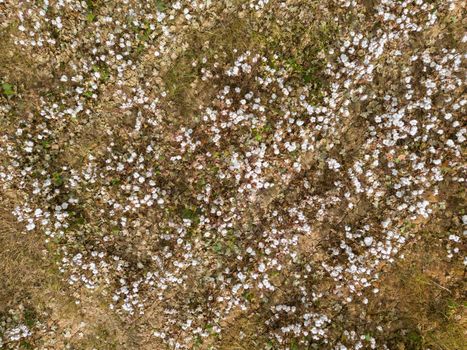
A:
(261, 267)
(333, 164)
(368, 241)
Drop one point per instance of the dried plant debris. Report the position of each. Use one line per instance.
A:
(244, 174)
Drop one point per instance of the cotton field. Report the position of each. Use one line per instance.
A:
(241, 174)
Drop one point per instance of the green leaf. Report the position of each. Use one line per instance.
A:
(90, 17)
(105, 75)
(161, 6)
(191, 214)
(257, 135)
(248, 295)
(217, 247)
(90, 4)
(7, 89)
(57, 179)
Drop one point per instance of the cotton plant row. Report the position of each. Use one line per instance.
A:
(252, 206)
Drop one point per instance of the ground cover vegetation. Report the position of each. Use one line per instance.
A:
(232, 174)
